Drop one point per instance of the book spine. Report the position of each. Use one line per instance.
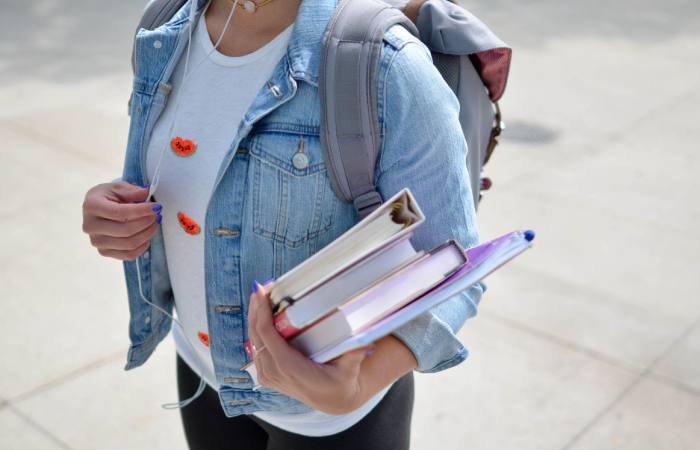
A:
(284, 325)
(323, 333)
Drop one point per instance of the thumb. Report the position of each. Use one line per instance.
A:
(351, 361)
(130, 193)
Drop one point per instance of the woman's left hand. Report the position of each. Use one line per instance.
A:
(334, 387)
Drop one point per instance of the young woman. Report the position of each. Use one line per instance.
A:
(225, 129)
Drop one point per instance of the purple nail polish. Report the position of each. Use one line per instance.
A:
(369, 351)
(159, 219)
(255, 286)
(157, 208)
(267, 281)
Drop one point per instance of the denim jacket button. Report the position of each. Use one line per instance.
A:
(276, 92)
(235, 380)
(220, 231)
(224, 309)
(157, 44)
(300, 160)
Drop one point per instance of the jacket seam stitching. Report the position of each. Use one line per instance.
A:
(383, 115)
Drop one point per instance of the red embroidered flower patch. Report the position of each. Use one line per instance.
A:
(203, 338)
(182, 146)
(188, 224)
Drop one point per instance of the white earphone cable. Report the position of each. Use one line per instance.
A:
(156, 178)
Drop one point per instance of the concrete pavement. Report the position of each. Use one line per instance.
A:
(590, 341)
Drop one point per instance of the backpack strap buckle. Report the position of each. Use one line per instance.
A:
(498, 127)
(366, 203)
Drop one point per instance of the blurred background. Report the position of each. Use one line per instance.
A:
(589, 341)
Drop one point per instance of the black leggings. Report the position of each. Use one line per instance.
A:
(386, 427)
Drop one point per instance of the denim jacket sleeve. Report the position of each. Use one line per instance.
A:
(424, 149)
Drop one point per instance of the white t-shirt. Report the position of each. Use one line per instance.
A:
(210, 110)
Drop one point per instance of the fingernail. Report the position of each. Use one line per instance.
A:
(267, 281)
(255, 286)
(146, 186)
(369, 351)
(157, 208)
(159, 219)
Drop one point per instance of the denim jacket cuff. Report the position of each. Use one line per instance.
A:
(432, 342)
(431, 336)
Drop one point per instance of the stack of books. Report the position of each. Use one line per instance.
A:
(370, 281)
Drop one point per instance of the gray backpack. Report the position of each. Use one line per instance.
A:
(472, 60)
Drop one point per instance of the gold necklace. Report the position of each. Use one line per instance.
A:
(249, 5)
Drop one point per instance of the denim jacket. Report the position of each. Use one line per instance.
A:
(267, 215)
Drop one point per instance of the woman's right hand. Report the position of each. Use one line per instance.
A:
(118, 220)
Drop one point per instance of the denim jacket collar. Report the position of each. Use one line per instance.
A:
(304, 48)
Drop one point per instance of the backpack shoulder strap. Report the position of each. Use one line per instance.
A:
(348, 95)
(155, 14)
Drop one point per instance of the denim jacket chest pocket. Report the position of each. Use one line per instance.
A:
(293, 202)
